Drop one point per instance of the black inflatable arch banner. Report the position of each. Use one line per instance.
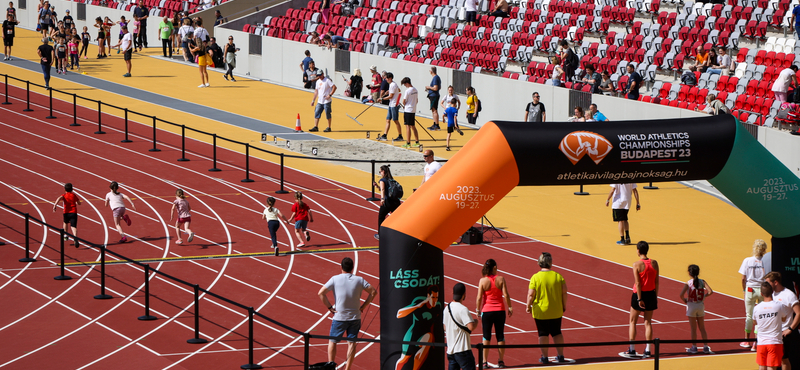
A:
(503, 155)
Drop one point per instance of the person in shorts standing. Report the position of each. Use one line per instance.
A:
(491, 306)
(393, 113)
(770, 316)
(458, 325)
(71, 203)
(644, 300)
(789, 327)
(472, 11)
(45, 52)
(547, 302)
(45, 19)
(8, 35)
(698, 290)
(324, 92)
(347, 310)
(433, 96)
(535, 111)
(621, 194)
(127, 48)
(753, 272)
(410, 99)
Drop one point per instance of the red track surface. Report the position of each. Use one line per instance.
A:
(59, 324)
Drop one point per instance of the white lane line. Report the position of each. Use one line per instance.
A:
(113, 331)
(148, 349)
(73, 310)
(44, 231)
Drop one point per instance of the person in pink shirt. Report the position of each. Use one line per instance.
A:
(72, 47)
(491, 306)
(184, 216)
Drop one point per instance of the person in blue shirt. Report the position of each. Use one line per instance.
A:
(795, 20)
(452, 120)
(433, 96)
(304, 64)
(634, 83)
(596, 115)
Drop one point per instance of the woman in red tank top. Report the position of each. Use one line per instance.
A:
(71, 202)
(491, 305)
(645, 296)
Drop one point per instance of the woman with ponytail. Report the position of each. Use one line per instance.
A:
(115, 200)
(753, 272)
(184, 216)
(698, 290)
(301, 214)
(491, 305)
(273, 216)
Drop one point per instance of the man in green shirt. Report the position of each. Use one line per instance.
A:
(165, 29)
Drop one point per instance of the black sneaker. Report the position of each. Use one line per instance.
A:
(646, 354)
(226, 77)
(627, 240)
(313, 129)
(630, 352)
(544, 360)
(560, 359)
(399, 138)
(327, 129)
(381, 137)
(434, 127)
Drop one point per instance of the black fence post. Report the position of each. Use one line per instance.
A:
(215, 169)
(6, 102)
(27, 240)
(183, 145)
(75, 110)
(247, 163)
(61, 235)
(372, 183)
(154, 136)
(306, 345)
(651, 187)
(102, 294)
(147, 315)
(99, 119)
(479, 347)
(581, 192)
(126, 128)
(51, 116)
(250, 364)
(657, 345)
(281, 190)
(196, 339)
(28, 97)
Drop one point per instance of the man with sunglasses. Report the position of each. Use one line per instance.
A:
(431, 166)
(535, 111)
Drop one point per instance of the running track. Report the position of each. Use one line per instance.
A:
(58, 323)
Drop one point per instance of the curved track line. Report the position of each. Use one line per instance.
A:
(41, 245)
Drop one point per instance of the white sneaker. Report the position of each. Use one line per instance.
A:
(202, 85)
(208, 84)
(692, 349)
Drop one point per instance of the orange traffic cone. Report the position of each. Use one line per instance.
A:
(297, 127)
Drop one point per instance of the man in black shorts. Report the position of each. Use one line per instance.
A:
(621, 194)
(8, 35)
(433, 96)
(644, 300)
(410, 100)
(127, 47)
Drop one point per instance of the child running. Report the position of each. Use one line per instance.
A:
(114, 200)
(184, 216)
(72, 46)
(452, 121)
(85, 38)
(698, 290)
(273, 215)
(71, 203)
(301, 214)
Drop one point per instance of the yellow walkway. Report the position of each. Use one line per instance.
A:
(683, 225)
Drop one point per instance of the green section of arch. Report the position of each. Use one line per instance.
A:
(761, 186)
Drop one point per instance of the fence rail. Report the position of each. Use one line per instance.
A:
(149, 272)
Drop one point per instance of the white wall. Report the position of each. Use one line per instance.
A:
(28, 19)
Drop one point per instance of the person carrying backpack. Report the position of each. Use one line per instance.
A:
(569, 59)
(391, 192)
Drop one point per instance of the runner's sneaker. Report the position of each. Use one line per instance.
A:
(544, 360)
(416, 144)
(486, 365)
(630, 352)
(627, 240)
(399, 138)
(190, 238)
(501, 364)
(301, 245)
(179, 241)
(692, 349)
(124, 239)
(707, 349)
(745, 344)
(202, 85)
(127, 219)
(313, 129)
(620, 242)
(66, 237)
(407, 145)
(754, 348)
(382, 138)
(560, 359)
(126, 75)
(328, 129)
(646, 354)
(435, 127)
(308, 235)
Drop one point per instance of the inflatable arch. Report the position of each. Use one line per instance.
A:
(503, 155)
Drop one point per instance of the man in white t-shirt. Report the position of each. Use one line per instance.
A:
(324, 91)
(126, 42)
(347, 289)
(393, 114)
(789, 327)
(620, 206)
(431, 166)
(410, 99)
(472, 11)
(458, 324)
(770, 316)
(786, 78)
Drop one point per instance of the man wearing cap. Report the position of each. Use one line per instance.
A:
(458, 324)
(127, 43)
(347, 289)
(324, 91)
(375, 87)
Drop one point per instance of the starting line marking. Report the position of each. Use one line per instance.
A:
(222, 256)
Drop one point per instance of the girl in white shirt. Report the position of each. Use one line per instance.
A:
(698, 290)
(273, 216)
(445, 102)
(184, 216)
(115, 200)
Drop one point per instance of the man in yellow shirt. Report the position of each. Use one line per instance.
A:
(547, 301)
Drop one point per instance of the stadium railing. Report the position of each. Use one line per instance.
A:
(155, 120)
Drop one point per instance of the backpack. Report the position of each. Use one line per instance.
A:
(395, 190)
(572, 60)
(478, 106)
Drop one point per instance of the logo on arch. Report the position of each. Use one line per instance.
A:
(580, 143)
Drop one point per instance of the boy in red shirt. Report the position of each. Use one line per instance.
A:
(71, 202)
